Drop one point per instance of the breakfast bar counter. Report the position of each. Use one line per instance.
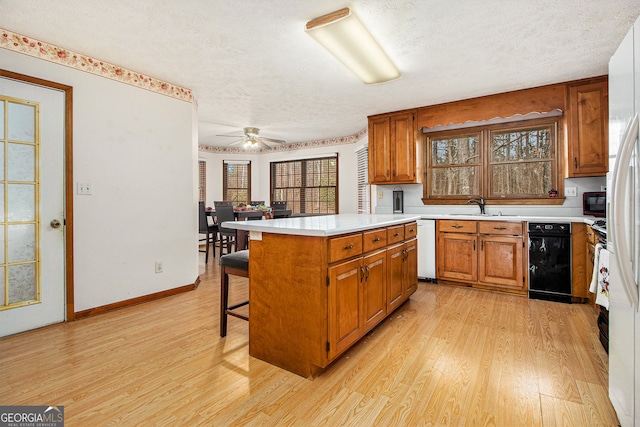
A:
(319, 284)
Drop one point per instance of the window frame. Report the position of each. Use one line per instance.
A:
(299, 206)
(485, 184)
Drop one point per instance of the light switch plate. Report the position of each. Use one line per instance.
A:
(85, 188)
(570, 191)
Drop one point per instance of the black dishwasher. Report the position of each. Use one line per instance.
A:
(550, 261)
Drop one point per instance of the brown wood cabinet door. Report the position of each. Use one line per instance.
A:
(403, 148)
(588, 129)
(395, 276)
(501, 261)
(410, 281)
(379, 150)
(374, 289)
(457, 257)
(345, 323)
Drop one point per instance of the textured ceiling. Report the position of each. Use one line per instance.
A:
(250, 63)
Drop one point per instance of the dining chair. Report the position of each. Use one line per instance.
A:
(279, 205)
(286, 213)
(223, 203)
(224, 212)
(209, 230)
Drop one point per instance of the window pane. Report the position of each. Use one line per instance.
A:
(521, 179)
(22, 283)
(529, 144)
(455, 151)
(21, 125)
(457, 181)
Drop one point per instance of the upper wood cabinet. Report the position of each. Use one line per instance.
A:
(392, 148)
(587, 128)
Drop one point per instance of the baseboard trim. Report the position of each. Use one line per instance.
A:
(135, 301)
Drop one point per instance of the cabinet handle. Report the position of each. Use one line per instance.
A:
(346, 248)
(482, 245)
(456, 226)
(377, 239)
(366, 276)
(411, 230)
(396, 234)
(361, 274)
(575, 162)
(499, 228)
(474, 245)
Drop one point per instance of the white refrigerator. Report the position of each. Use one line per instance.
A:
(623, 226)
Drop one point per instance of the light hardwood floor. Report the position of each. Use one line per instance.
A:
(449, 356)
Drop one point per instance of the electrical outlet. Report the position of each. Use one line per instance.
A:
(159, 267)
(570, 191)
(379, 194)
(85, 188)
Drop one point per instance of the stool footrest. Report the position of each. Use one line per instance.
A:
(233, 307)
(239, 316)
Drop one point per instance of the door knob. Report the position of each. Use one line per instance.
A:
(55, 223)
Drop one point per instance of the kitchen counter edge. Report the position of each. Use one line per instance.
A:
(333, 225)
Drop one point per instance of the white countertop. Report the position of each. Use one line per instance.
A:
(332, 225)
(324, 225)
(516, 218)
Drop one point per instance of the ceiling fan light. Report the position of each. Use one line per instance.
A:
(346, 38)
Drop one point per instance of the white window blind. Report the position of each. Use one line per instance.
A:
(364, 205)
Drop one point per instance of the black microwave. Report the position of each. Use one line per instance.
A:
(594, 203)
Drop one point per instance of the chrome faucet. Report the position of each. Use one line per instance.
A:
(480, 203)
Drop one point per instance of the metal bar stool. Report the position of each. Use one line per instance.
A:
(236, 263)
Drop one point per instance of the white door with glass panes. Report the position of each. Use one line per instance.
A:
(32, 251)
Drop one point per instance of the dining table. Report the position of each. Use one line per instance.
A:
(240, 214)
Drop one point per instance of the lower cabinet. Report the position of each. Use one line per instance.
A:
(488, 254)
(363, 291)
(500, 261)
(457, 257)
(374, 289)
(345, 322)
(402, 277)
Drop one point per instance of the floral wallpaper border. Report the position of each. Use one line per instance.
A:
(39, 49)
(288, 147)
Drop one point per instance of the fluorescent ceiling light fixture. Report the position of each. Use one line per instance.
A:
(342, 34)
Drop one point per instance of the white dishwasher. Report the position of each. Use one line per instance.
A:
(427, 249)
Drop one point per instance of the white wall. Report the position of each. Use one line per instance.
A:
(139, 151)
(572, 206)
(260, 180)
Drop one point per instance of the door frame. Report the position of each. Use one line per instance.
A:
(68, 180)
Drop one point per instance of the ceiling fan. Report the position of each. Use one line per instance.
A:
(252, 139)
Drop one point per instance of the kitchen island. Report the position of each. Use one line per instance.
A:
(319, 284)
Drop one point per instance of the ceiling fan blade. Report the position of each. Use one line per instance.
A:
(275, 141)
(238, 142)
(231, 136)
